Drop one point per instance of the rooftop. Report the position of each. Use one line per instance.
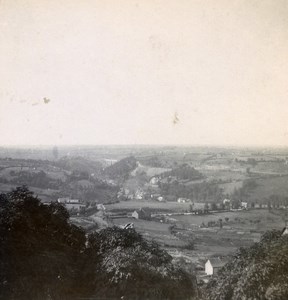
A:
(217, 262)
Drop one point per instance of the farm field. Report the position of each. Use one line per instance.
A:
(152, 230)
(259, 220)
(229, 187)
(240, 229)
(224, 175)
(93, 222)
(153, 206)
(243, 228)
(271, 167)
(269, 186)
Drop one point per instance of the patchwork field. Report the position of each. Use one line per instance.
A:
(240, 229)
(271, 167)
(270, 186)
(259, 220)
(229, 187)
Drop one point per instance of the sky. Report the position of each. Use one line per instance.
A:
(185, 72)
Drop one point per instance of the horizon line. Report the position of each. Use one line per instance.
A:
(143, 145)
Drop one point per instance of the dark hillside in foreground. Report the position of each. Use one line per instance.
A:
(257, 272)
(43, 256)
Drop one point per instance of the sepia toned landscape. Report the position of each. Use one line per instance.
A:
(196, 203)
(143, 150)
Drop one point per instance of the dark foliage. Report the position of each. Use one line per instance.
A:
(258, 272)
(243, 193)
(43, 256)
(122, 168)
(136, 269)
(184, 172)
(199, 191)
(40, 250)
(35, 179)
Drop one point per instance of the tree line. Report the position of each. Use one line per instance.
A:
(204, 191)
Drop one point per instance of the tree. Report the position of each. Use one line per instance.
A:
(40, 250)
(236, 203)
(191, 207)
(134, 268)
(222, 206)
(214, 206)
(220, 223)
(252, 161)
(130, 266)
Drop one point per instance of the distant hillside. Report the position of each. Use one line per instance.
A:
(268, 188)
(184, 172)
(149, 171)
(79, 164)
(122, 168)
(151, 161)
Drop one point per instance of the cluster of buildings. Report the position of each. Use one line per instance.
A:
(71, 204)
(243, 205)
(184, 200)
(139, 194)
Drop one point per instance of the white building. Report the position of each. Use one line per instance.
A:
(213, 265)
(244, 205)
(154, 180)
(68, 200)
(101, 207)
(183, 200)
(226, 201)
(62, 200)
(161, 199)
(73, 201)
(74, 206)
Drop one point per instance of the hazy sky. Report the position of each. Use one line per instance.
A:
(117, 72)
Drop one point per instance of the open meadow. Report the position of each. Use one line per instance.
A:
(154, 206)
(267, 187)
(189, 237)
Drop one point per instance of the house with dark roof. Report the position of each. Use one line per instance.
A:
(141, 213)
(213, 265)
